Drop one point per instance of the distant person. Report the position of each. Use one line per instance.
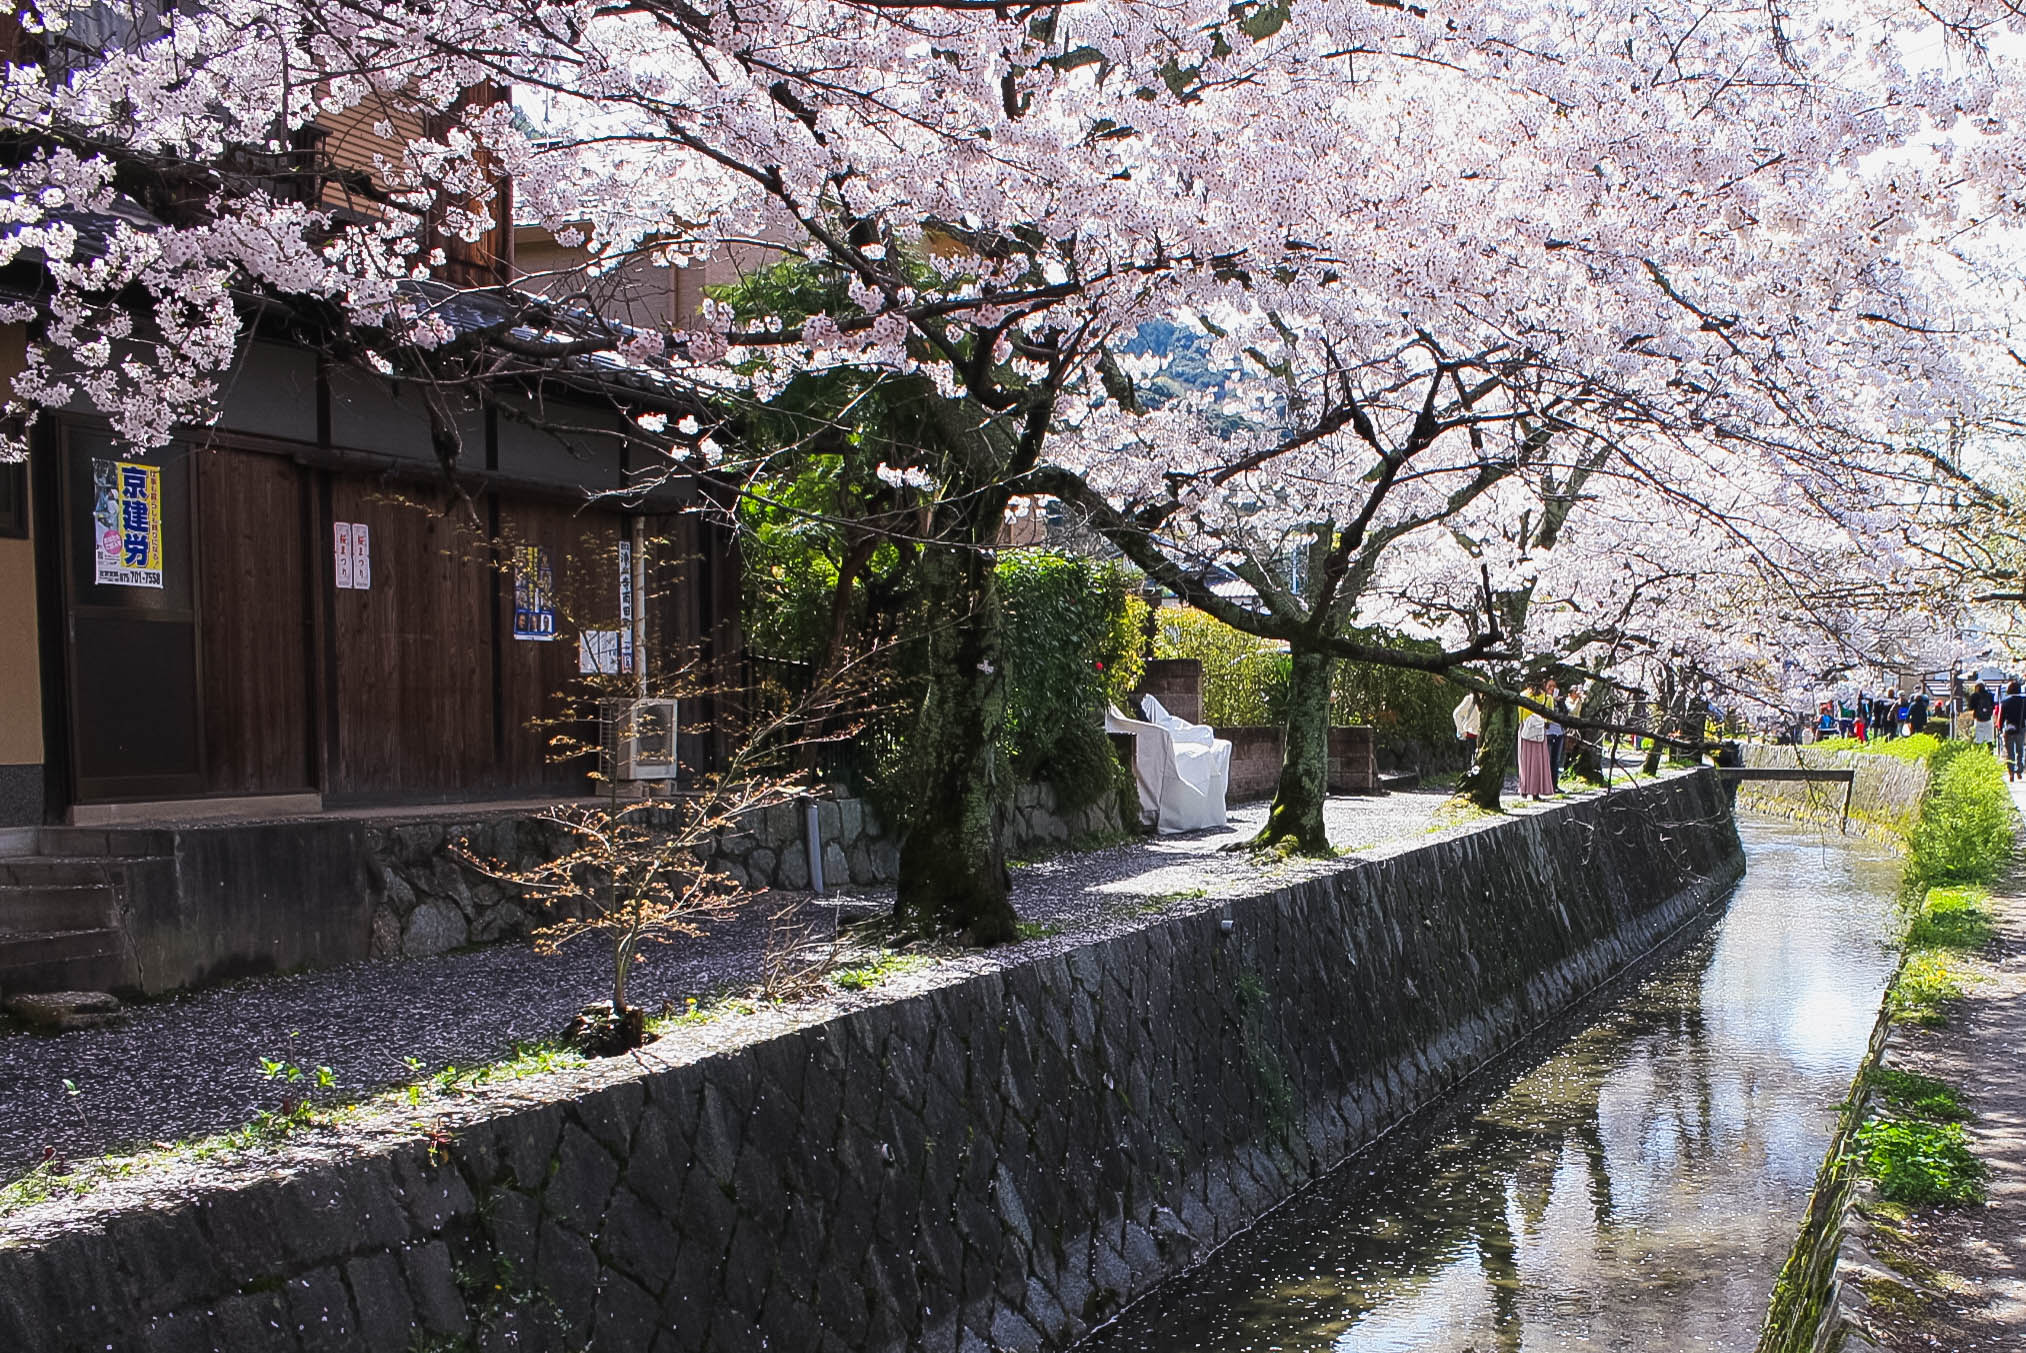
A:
(1536, 775)
(1468, 717)
(1983, 705)
(1860, 726)
(1917, 713)
(1557, 734)
(1825, 722)
(1846, 720)
(1902, 715)
(2012, 723)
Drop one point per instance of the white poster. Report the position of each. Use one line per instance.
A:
(626, 606)
(599, 652)
(362, 557)
(341, 552)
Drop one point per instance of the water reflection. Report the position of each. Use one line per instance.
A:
(1638, 1190)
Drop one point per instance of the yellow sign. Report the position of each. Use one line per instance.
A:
(127, 521)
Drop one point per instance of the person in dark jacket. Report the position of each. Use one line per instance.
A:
(1982, 705)
(1917, 712)
(2012, 726)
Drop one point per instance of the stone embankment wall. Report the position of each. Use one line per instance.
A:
(423, 902)
(1884, 799)
(999, 1158)
(1812, 1308)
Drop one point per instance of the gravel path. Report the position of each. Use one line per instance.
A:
(190, 1065)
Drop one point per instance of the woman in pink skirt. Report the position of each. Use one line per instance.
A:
(1536, 774)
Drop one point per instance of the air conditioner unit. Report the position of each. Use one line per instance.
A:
(637, 739)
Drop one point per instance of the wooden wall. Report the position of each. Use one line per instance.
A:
(412, 689)
(258, 695)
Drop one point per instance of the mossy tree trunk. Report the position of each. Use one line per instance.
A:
(1484, 783)
(1588, 762)
(953, 874)
(1297, 812)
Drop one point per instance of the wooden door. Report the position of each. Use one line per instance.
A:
(254, 623)
(131, 642)
(412, 650)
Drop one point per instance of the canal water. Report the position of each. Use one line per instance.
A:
(1637, 1190)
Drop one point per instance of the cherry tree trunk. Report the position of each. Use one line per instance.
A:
(1485, 782)
(952, 859)
(1297, 812)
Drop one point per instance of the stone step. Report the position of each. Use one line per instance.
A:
(63, 1011)
(104, 841)
(64, 960)
(61, 870)
(40, 908)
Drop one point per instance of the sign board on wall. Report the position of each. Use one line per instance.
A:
(127, 523)
(625, 605)
(598, 652)
(534, 595)
(352, 555)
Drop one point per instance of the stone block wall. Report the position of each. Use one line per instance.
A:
(1177, 683)
(1256, 752)
(1255, 761)
(1884, 799)
(996, 1159)
(1354, 768)
(423, 902)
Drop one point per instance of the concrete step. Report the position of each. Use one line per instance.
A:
(103, 841)
(65, 960)
(59, 870)
(35, 908)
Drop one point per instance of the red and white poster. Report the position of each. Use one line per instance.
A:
(341, 553)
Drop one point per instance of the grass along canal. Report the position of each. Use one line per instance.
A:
(1638, 1189)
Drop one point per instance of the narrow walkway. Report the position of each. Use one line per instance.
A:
(1978, 1254)
(190, 1065)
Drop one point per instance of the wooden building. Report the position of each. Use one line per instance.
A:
(312, 619)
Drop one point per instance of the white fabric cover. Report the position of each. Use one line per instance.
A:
(1181, 769)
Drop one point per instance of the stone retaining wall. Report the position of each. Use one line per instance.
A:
(1884, 799)
(423, 902)
(1814, 1308)
(1006, 1152)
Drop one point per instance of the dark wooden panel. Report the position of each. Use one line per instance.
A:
(413, 652)
(253, 624)
(542, 693)
(134, 698)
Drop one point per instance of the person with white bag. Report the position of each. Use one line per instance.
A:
(1536, 767)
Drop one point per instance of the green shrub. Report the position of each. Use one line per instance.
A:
(1918, 1162)
(1070, 648)
(1927, 984)
(1919, 747)
(1244, 677)
(1918, 1096)
(1964, 832)
(1951, 918)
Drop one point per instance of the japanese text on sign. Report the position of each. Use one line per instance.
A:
(127, 522)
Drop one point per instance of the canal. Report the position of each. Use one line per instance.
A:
(1638, 1189)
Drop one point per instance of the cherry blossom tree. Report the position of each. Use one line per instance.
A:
(1702, 223)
